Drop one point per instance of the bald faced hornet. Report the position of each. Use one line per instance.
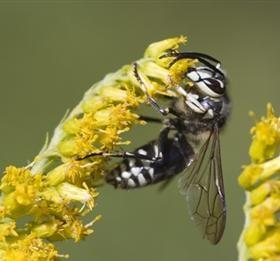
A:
(188, 143)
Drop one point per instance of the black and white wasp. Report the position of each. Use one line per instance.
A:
(188, 143)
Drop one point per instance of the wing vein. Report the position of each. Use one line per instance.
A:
(202, 184)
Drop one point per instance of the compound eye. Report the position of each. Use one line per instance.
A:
(207, 81)
(215, 87)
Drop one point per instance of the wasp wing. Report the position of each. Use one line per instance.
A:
(204, 189)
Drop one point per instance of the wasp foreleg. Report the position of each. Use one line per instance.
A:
(151, 100)
(150, 119)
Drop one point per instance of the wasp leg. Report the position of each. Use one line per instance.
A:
(158, 156)
(151, 100)
(201, 57)
(161, 148)
(179, 140)
(124, 154)
(150, 119)
(163, 137)
(191, 55)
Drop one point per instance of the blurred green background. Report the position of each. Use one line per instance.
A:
(51, 52)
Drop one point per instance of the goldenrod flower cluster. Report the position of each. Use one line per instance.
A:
(44, 201)
(260, 239)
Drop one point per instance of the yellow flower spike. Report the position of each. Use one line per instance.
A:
(51, 194)
(72, 126)
(266, 139)
(103, 117)
(45, 230)
(71, 192)
(249, 176)
(68, 147)
(31, 248)
(9, 179)
(260, 239)
(113, 93)
(259, 194)
(20, 189)
(155, 50)
(25, 194)
(58, 175)
(254, 233)
(90, 224)
(259, 172)
(19, 176)
(260, 150)
(268, 247)
(270, 168)
(264, 213)
(10, 203)
(76, 230)
(93, 104)
(155, 71)
(93, 172)
(58, 188)
(7, 229)
(149, 86)
(71, 171)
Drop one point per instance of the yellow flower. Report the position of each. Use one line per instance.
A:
(249, 176)
(259, 194)
(7, 228)
(20, 189)
(156, 50)
(269, 247)
(266, 137)
(260, 239)
(30, 248)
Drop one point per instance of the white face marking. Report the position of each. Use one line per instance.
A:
(126, 174)
(193, 76)
(136, 170)
(194, 104)
(142, 180)
(142, 152)
(194, 107)
(203, 74)
(118, 179)
(131, 183)
(206, 90)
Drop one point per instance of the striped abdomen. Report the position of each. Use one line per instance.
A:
(173, 155)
